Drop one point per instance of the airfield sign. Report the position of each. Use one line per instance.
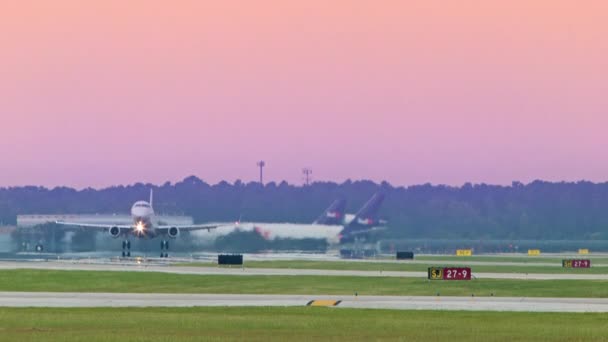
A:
(449, 273)
(576, 263)
(464, 252)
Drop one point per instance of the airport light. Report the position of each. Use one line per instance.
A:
(139, 227)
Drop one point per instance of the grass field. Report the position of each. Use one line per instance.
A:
(151, 282)
(293, 324)
(405, 266)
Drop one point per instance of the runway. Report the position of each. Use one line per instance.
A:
(73, 300)
(134, 267)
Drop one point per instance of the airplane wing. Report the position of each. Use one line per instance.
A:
(93, 226)
(130, 226)
(189, 227)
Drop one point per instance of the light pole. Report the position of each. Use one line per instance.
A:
(307, 172)
(261, 165)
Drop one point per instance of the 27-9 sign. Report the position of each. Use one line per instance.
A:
(576, 263)
(449, 273)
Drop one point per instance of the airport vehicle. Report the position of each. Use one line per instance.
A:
(143, 227)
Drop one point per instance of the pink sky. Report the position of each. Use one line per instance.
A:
(95, 93)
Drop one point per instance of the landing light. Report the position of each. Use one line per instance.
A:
(139, 227)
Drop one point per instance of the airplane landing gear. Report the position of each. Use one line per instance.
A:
(126, 248)
(164, 245)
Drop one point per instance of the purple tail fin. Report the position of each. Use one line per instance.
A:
(334, 215)
(367, 217)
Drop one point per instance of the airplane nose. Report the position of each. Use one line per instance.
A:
(137, 212)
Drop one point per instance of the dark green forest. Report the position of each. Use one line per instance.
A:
(538, 210)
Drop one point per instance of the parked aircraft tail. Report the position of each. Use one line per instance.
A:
(334, 215)
(366, 218)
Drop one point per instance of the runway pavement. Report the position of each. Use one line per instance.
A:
(45, 299)
(144, 267)
(211, 258)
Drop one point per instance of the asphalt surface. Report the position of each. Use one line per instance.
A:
(71, 300)
(212, 258)
(131, 266)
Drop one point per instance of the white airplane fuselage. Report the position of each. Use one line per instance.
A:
(271, 231)
(143, 214)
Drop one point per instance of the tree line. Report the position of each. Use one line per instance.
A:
(538, 210)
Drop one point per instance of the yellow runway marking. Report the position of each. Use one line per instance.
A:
(324, 302)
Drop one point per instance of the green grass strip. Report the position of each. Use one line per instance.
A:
(152, 282)
(293, 324)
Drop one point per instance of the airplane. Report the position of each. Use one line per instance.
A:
(334, 215)
(366, 219)
(143, 227)
(332, 218)
(333, 225)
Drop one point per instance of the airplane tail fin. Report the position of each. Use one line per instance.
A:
(333, 215)
(368, 214)
(367, 217)
(151, 197)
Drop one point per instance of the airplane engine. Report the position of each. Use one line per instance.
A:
(173, 232)
(114, 232)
